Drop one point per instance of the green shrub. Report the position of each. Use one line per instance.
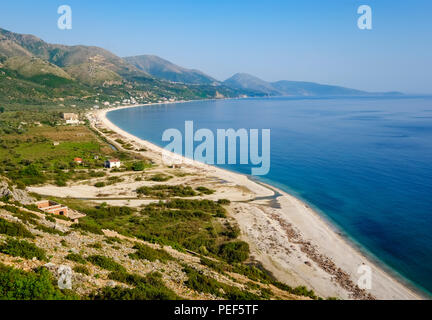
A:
(14, 229)
(99, 184)
(75, 257)
(199, 282)
(22, 249)
(165, 191)
(96, 245)
(159, 177)
(257, 273)
(299, 291)
(224, 202)
(205, 190)
(105, 263)
(112, 240)
(19, 285)
(216, 266)
(50, 219)
(138, 166)
(103, 211)
(82, 270)
(145, 252)
(46, 229)
(237, 251)
(150, 287)
(87, 227)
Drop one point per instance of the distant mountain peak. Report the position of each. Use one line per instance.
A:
(166, 70)
(245, 81)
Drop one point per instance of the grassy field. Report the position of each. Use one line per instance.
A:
(37, 144)
(44, 153)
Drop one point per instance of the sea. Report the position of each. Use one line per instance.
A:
(363, 163)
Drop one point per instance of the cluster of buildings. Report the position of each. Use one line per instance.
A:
(71, 118)
(111, 163)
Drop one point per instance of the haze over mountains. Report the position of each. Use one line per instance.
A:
(166, 70)
(243, 81)
(161, 68)
(29, 64)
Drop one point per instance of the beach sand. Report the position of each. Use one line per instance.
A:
(285, 235)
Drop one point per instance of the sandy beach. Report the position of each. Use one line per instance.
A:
(285, 235)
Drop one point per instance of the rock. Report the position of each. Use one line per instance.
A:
(50, 265)
(15, 194)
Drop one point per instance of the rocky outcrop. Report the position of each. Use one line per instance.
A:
(21, 196)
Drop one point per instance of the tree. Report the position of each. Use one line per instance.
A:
(138, 166)
(2, 109)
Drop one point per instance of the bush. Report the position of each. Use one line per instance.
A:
(112, 240)
(147, 253)
(82, 270)
(138, 166)
(224, 202)
(49, 230)
(96, 245)
(105, 263)
(24, 216)
(50, 219)
(103, 212)
(99, 184)
(75, 257)
(19, 285)
(87, 227)
(22, 249)
(216, 266)
(14, 229)
(199, 282)
(150, 287)
(205, 190)
(164, 191)
(159, 177)
(237, 251)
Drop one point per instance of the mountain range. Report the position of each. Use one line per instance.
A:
(163, 69)
(166, 70)
(32, 70)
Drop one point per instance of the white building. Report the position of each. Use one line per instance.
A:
(112, 163)
(71, 118)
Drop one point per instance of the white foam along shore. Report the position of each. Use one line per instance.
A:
(292, 241)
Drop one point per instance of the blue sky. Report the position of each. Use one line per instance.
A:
(307, 40)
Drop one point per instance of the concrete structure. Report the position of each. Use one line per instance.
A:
(112, 163)
(52, 207)
(71, 118)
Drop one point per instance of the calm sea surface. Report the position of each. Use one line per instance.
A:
(364, 163)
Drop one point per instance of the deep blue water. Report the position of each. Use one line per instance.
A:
(365, 163)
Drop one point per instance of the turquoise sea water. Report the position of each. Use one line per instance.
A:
(365, 163)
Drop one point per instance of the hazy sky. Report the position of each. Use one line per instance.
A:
(310, 40)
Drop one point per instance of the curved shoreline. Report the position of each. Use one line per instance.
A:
(317, 235)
